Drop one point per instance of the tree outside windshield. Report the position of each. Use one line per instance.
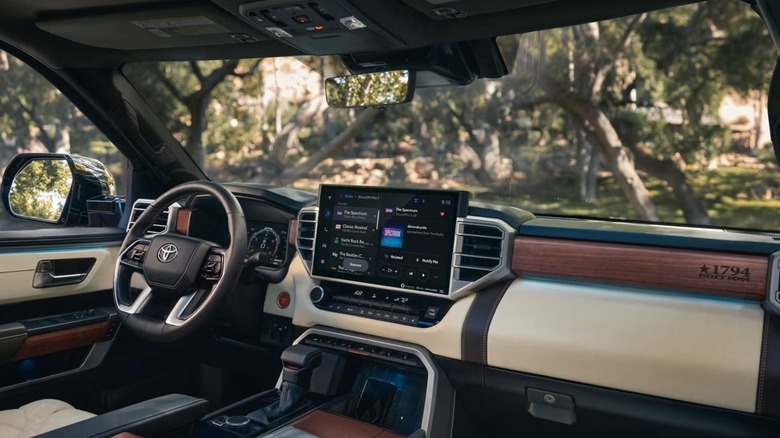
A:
(655, 117)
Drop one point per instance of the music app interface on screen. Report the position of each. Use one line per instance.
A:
(401, 239)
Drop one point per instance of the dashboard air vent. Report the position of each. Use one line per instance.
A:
(160, 225)
(481, 249)
(304, 238)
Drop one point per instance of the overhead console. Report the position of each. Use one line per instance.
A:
(323, 27)
(399, 255)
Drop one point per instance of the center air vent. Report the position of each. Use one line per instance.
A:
(480, 252)
(482, 248)
(160, 225)
(304, 238)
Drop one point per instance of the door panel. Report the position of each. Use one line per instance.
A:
(18, 270)
(67, 328)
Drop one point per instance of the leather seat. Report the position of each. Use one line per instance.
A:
(39, 417)
(57, 419)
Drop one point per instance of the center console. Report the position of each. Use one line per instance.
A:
(399, 256)
(365, 385)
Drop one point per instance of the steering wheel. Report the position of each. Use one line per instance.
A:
(187, 277)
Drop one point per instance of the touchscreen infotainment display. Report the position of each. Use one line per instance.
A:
(400, 238)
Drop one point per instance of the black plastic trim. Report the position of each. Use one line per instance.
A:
(148, 418)
(290, 200)
(514, 217)
(474, 339)
(671, 236)
(12, 336)
(496, 403)
(64, 321)
(768, 393)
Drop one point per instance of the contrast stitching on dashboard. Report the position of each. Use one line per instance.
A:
(485, 337)
(465, 330)
(501, 291)
(762, 366)
(481, 314)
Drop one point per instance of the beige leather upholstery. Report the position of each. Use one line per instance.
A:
(39, 417)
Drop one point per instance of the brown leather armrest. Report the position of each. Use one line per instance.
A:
(328, 425)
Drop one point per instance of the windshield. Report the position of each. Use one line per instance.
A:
(655, 117)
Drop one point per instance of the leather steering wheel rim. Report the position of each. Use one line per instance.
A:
(175, 327)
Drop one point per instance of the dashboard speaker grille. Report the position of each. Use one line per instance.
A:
(159, 226)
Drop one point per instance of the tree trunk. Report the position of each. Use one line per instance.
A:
(471, 157)
(669, 171)
(194, 145)
(287, 138)
(602, 134)
(758, 111)
(587, 168)
(346, 136)
(62, 145)
(197, 104)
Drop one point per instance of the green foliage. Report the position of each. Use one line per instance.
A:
(369, 89)
(41, 189)
(36, 117)
(659, 78)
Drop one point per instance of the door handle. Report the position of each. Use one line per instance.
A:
(52, 273)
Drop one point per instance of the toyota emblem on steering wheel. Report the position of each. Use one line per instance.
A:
(167, 253)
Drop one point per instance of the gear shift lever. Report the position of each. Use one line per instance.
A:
(299, 362)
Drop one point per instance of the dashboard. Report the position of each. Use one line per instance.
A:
(586, 301)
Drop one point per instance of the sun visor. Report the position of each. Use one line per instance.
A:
(184, 25)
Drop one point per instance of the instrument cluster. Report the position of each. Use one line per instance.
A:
(266, 243)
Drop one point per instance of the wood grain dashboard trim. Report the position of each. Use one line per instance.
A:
(183, 221)
(292, 232)
(61, 340)
(706, 272)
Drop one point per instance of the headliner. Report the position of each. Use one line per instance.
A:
(21, 23)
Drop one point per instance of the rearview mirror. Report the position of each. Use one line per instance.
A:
(370, 89)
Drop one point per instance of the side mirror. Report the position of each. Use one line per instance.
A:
(54, 188)
(370, 89)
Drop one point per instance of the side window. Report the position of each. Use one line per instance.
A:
(36, 118)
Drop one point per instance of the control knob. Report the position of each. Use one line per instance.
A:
(237, 423)
(317, 294)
